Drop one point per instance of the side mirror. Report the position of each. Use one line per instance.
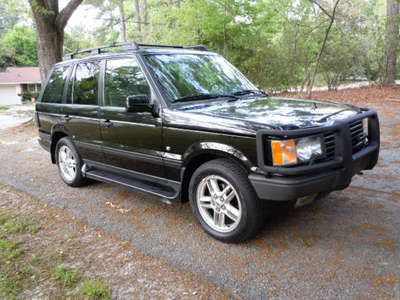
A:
(138, 103)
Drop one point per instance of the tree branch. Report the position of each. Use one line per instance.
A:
(66, 13)
(323, 9)
(39, 7)
(311, 82)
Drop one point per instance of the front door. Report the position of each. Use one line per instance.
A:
(131, 140)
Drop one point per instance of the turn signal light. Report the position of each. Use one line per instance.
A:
(284, 152)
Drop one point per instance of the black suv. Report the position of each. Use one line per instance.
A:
(183, 124)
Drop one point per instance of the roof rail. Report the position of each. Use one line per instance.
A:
(197, 47)
(128, 46)
(98, 50)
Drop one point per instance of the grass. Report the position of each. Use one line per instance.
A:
(96, 289)
(37, 261)
(3, 107)
(66, 276)
(21, 267)
(13, 272)
(9, 250)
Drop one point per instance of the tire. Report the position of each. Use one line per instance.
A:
(67, 156)
(230, 228)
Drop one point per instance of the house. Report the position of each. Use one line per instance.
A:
(16, 81)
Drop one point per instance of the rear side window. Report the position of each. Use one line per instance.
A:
(53, 92)
(85, 88)
(123, 78)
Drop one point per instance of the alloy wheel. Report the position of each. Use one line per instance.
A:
(219, 203)
(67, 163)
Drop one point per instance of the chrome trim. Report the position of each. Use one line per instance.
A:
(173, 156)
(50, 114)
(133, 123)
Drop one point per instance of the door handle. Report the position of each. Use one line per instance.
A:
(107, 123)
(67, 118)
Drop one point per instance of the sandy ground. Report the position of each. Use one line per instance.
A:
(344, 246)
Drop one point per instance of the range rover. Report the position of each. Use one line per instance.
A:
(184, 124)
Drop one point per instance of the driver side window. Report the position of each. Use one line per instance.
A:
(123, 78)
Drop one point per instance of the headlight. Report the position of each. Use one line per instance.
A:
(293, 151)
(308, 147)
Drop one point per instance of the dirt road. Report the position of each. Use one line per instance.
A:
(345, 246)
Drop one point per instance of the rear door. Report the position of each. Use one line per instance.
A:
(132, 140)
(49, 108)
(81, 112)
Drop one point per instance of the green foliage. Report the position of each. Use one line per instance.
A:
(38, 7)
(21, 270)
(73, 40)
(13, 273)
(342, 59)
(274, 42)
(10, 13)
(66, 276)
(9, 250)
(96, 289)
(27, 96)
(36, 261)
(18, 47)
(11, 225)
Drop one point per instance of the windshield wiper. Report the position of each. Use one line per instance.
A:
(204, 97)
(245, 92)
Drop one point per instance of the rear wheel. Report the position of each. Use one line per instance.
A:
(224, 202)
(69, 163)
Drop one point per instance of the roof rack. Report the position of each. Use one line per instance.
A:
(128, 46)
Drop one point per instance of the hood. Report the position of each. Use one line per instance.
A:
(251, 114)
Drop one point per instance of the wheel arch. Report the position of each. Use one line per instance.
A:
(57, 133)
(203, 152)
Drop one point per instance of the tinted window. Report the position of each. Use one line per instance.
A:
(86, 83)
(123, 78)
(55, 87)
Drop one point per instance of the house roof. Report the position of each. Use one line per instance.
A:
(15, 75)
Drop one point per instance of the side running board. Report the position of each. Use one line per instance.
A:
(166, 189)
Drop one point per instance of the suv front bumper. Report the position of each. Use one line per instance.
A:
(283, 184)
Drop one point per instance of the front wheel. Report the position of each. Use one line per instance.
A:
(224, 202)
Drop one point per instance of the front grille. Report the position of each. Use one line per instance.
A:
(329, 141)
(358, 136)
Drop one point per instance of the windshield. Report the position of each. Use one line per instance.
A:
(184, 76)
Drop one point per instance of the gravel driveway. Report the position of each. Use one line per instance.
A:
(15, 115)
(345, 246)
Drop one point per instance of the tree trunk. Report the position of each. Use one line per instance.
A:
(137, 14)
(123, 20)
(392, 42)
(50, 46)
(50, 24)
(331, 16)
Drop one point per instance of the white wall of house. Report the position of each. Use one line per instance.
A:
(9, 94)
